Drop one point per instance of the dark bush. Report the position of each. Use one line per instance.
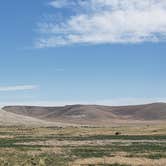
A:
(118, 133)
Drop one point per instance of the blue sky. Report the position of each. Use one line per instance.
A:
(56, 52)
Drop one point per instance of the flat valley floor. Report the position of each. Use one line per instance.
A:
(130, 145)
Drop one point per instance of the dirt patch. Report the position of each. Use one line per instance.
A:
(119, 160)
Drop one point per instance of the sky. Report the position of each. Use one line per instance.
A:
(59, 52)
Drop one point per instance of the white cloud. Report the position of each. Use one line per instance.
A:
(17, 88)
(106, 21)
(59, 3)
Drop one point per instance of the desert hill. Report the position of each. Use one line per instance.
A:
(12, 119)
(87, 114)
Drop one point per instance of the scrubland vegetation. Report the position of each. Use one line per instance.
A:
(89, 146)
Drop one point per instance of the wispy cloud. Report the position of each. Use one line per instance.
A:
(60, 3)
(105, 21)
(17, 88)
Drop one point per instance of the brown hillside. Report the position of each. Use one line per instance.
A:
(93, 113)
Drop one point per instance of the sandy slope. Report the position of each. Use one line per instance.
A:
(8, 119)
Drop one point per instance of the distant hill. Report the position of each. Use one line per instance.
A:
(12, 119)
(87, 114)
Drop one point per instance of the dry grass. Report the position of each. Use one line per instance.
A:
(143, 145)
(119, 160)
